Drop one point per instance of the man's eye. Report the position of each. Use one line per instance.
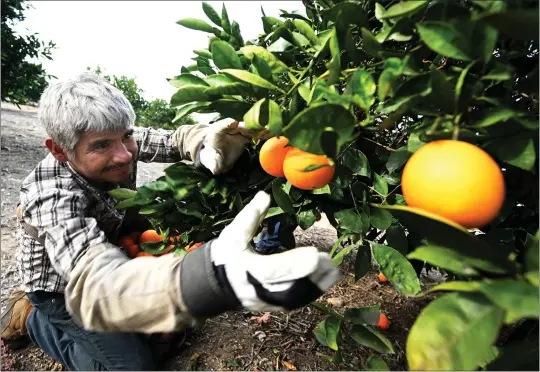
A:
(128, 136)
(101, 145)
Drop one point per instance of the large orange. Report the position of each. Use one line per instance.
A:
(455, 180)
(150, 236)
(296, 161)
(272, 155)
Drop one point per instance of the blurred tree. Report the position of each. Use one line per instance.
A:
(23, 81)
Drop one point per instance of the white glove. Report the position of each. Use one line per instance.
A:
(222, 146)
(226, 273)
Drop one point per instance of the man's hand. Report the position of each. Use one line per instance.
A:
(234, 275)
(223, 144)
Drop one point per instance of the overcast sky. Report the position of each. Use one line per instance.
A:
(139, 39)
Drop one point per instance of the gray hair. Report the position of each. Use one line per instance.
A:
(87, 103)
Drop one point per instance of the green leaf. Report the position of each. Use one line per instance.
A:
(231, 108)
(494, 116)
(531, 258)
(129, 203)
(275, 118)
(211, 13)
(275, 64)
(445, 39)
(252, 117)
(187, 79)
(224, 56)
(444, 90)
(366, 336)
(380, 184)
(327, 332)
(405, 8)
(237, 34)
(367, 315)
(414, 142)
(371, 45)
(225, 23)
(304, 131)
(376, 363)
(122, 193)
(396, 238)
(453, 332)
(334, 65)
(306, 219)
(153, 248)
(515, 296)
(305, 29)
(282, 199)
(397, 159)
(261, 67)
(380, 219)
(516, 150)
(362, 263)
(444, 258)
(273, 211)
(362, 87)
(188, 109)
(356, 161)
(445, 233)
(351, 13)
(397, 269)
(190, 93)
(252, 79)
(196, 24)
(519, 24)
(349, 220)
(388, 79)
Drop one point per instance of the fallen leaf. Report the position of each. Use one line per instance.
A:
(288, 365)
(261, 319)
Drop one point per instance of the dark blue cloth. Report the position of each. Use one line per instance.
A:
(52, 328)
(269, 243)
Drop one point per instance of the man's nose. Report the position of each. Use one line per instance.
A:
(122, 154)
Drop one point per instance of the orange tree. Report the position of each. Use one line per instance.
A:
(367, 84)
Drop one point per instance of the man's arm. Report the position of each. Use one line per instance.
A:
(169, 146)
(105, 289)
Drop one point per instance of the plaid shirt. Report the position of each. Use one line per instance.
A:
(72, 215)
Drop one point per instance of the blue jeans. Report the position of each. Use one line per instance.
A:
(52, 328)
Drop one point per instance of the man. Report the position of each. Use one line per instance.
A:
(87, 304)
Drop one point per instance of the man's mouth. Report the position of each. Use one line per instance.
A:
(118, 168)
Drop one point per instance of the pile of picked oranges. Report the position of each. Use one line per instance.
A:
(132, 243)
(302, 169)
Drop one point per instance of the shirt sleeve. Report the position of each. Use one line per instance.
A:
(156, 145)
(59, 216)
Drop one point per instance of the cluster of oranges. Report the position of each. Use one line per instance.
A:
(132, 243)
(302, 169)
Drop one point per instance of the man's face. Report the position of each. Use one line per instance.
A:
(105, 157)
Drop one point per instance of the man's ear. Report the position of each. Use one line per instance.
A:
(58, 152)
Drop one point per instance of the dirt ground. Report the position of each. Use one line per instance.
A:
(232, 341)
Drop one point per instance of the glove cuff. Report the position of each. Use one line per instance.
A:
(205, 289)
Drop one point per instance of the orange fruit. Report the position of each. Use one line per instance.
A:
(272, 154)
(150, 236)
(455, 180)
(383, 323)
(126, 242)
(296, 161)
(144, 254)
(193, 246)
(134, 250)
(382, 278)
(135, 236)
